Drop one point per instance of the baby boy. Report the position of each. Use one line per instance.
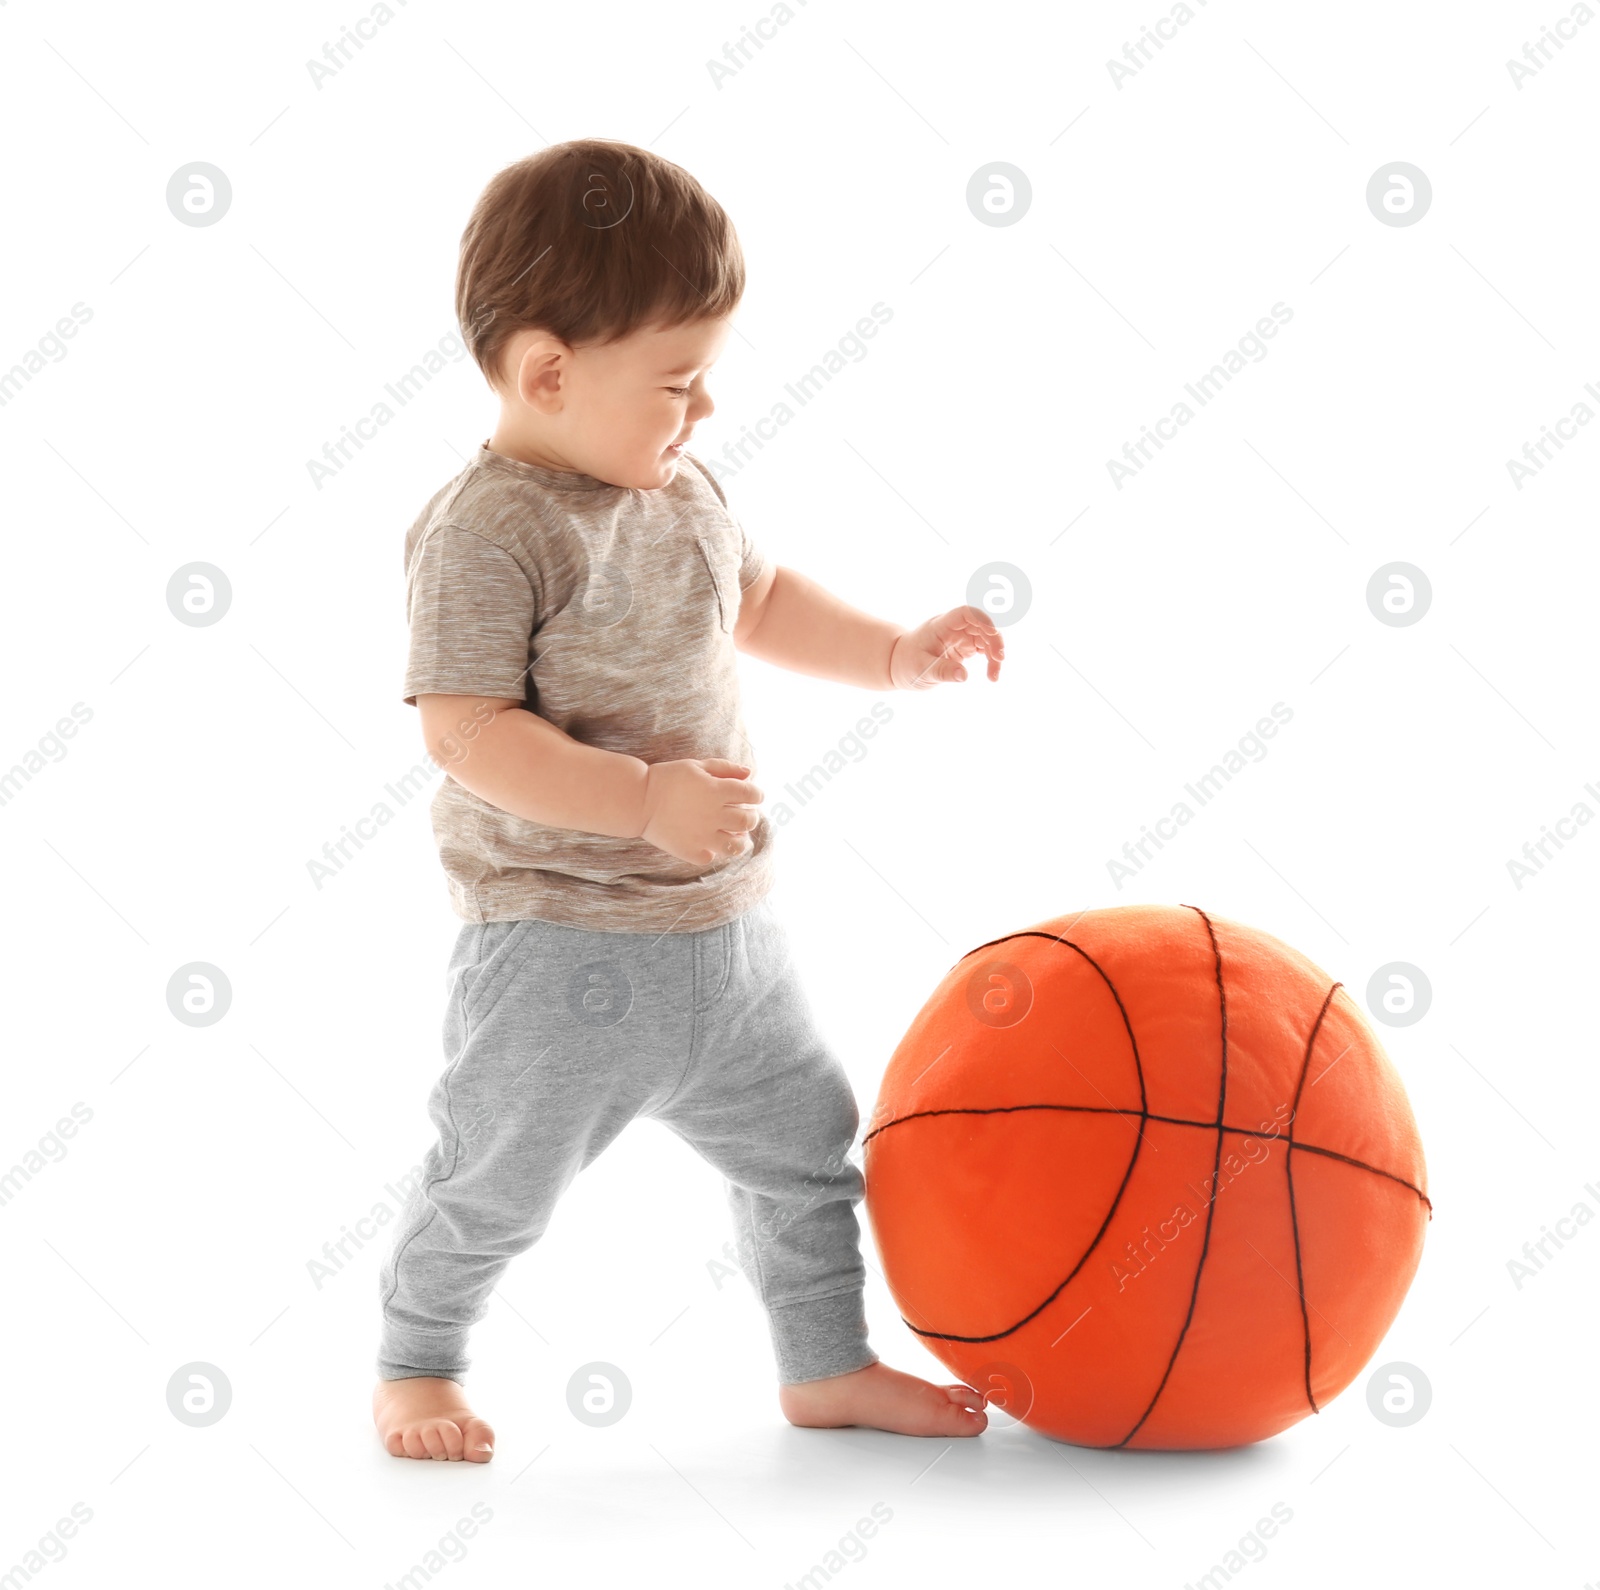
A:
(576, 596)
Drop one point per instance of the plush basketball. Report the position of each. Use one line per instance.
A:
(1147, 1178)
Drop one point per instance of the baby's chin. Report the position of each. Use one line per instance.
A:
(650, 475)
(662, 472)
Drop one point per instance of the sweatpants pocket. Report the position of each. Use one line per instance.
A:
(502, 951)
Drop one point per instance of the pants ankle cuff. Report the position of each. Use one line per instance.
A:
(406, 1354)
(819, 1337)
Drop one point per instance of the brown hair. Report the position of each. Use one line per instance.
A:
(590, 240)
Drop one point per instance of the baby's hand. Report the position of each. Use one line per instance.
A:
(932, 652)
(700, 809)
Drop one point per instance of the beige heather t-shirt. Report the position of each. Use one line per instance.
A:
(610, 612)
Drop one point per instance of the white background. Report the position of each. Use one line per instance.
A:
(1167, 216)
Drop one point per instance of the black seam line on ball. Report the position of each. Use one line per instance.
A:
(1288, 1176)
(1056, 938)
(1141, 1114)
(1127, 1176)
(1150, 1115)
(1216, 1174)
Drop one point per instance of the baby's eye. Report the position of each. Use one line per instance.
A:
(678, 391)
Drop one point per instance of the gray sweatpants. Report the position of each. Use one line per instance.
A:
(556, 1037)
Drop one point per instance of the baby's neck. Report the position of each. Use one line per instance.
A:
(529, 445)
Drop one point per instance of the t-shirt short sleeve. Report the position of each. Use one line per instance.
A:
(752, 560)
(471, 609)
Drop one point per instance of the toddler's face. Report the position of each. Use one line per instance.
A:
(631, 405)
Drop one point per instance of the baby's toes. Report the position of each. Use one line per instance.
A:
(962, 1409)
(442, 1439)
(414, 1439)
(477, 1441)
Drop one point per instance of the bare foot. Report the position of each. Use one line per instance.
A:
(882, 1398)
(426, 1417)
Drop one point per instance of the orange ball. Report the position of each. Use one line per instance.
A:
(1147, 1177)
